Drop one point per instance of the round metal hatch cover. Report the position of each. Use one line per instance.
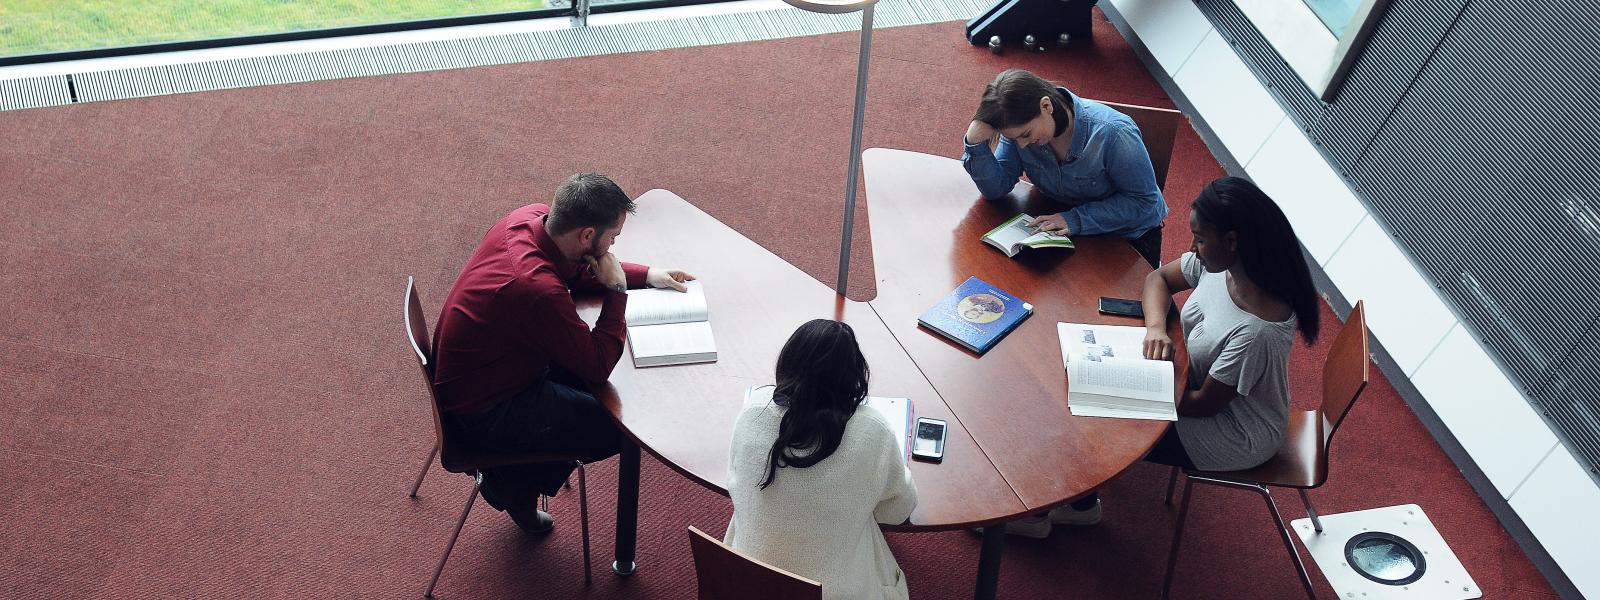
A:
(1385, 558)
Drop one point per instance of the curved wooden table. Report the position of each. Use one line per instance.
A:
(684, 414)
(1013, 448)
(928, 221)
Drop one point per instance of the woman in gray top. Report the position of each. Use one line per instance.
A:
(1252, 292)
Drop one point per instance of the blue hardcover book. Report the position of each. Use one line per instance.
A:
(976, 315)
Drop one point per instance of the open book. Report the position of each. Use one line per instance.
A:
(897, 411)
(1011, 236)
(669, 327)
(1108, 376)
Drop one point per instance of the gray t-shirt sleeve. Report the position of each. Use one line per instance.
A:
(1191, 267)
(1241, 362)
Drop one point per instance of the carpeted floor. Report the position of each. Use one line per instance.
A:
(207, 394)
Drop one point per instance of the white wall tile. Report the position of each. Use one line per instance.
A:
(1228, 97)
(1317, 202)
(1171, 29)
(1557, 503)
(1486, 413)
(1403, 310)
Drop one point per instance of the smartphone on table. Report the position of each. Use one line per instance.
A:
(1122, 307)
(929, 442)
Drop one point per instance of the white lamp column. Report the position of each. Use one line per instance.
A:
(854, 176)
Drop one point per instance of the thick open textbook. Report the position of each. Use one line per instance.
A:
(669, 327)
(1013, 235)
(1108, 376)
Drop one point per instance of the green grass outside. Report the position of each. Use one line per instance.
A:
(35, 26)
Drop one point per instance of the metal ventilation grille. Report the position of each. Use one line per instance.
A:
(34, 92)
(1406, 36)
(469, 52)
(1481, 160)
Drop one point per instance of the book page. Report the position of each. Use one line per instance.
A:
(897, 412)
(1101, 341)
(1045, 239)
(1146, 380)
(1010, 233)
(669, 340)
(665, 305)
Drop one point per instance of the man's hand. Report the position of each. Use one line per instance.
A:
(1157, 344)
(980, 132)
(668, 278)
(608, 270)
(1056, 224)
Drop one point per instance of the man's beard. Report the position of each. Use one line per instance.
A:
(593, 251)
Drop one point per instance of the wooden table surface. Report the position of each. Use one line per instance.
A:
(928, 221)
(684, 414)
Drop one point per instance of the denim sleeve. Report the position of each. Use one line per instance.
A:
(995, 172)
(1135, 204)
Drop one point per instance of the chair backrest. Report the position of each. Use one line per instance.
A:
(417, 334)
(1159, 128)
(725, 574)
(1346, 371)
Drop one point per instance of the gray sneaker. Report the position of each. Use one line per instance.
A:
(1066, 515)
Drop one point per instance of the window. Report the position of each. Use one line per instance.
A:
(1320, 39)
(41, 26)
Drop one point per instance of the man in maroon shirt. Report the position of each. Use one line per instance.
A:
(512, 356)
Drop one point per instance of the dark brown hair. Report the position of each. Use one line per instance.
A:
(587, 200)
(1012, 99)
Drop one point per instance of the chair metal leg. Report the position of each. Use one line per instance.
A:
(1277, 519)
(1288, 542)
(1172, 481)
(426, 463)
(1177, 534)
(583, 519)
(453, 535)
(1311, 511)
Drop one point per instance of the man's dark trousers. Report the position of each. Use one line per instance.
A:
(557, 414)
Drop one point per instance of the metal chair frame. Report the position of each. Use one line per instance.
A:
(1337, 399)
(413, 307)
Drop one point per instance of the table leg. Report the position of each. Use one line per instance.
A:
(627, 507)
(994, 541)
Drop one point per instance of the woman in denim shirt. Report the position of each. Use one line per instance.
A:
(1078, 152)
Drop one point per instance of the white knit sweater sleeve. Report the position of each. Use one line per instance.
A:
(899, 494)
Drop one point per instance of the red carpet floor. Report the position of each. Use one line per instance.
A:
(206, 392)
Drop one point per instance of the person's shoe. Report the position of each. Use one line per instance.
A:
(1030, 527)
(532, 520)
(1067, 515)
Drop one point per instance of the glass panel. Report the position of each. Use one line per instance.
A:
(37, 26)
(1335, 14)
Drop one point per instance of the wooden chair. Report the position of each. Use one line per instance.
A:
(1159, 128)
(457, 458)
(1302, 462)
(725, 574)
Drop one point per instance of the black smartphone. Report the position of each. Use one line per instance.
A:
(929, 443)
(1122, 307)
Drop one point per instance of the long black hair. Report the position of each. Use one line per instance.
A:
(822, 378)
(1269, 252)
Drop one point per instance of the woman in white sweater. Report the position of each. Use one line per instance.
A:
(811, 476)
